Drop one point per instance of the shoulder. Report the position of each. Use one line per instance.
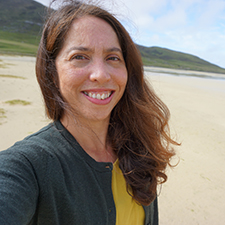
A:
(31, 144)
(37, 148)
(23, 154)
(46, 140)
(51, 146)
(43, 139)
(38, 156)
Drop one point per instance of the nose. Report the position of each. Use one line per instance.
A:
(100, 72)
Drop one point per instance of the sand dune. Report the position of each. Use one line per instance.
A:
(193, 193)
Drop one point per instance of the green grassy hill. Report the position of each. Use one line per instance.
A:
(18, 43)
(20, 28)
(162, 57)
(23, 16)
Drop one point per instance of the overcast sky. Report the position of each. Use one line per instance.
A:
(191, 26)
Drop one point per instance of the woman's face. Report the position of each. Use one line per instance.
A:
(91, 69)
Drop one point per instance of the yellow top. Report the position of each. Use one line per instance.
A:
(128, 211)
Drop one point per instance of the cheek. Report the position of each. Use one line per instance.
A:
(122, 79)
(70, 80)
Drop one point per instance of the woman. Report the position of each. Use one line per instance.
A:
(101, 159)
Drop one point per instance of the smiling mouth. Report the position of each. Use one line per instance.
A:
(100, 96)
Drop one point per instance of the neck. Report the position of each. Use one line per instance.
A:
(92, 137)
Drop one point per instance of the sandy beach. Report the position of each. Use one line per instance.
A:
(193, 193)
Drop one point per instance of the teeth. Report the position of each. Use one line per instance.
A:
(98, 95)
(103, 96)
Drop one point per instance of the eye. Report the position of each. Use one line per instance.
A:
(78, 57)
(113, 58)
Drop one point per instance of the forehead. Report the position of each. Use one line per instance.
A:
(91, 30)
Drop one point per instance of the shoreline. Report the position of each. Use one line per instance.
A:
(180, 72)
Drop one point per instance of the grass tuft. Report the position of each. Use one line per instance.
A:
(12, 76)
(18, 102)
(2, 113)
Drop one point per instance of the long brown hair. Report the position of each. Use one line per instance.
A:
(138, 129)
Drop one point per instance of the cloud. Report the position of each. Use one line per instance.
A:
(191, 26)
(44, 2)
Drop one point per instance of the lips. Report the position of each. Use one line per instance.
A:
(98, 95)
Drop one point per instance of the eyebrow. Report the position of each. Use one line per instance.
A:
(84, 49)
(114, 49)
(80, 48)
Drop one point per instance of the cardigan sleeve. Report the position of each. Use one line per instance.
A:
(151, 213)
(18, 189)
(155, 215)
